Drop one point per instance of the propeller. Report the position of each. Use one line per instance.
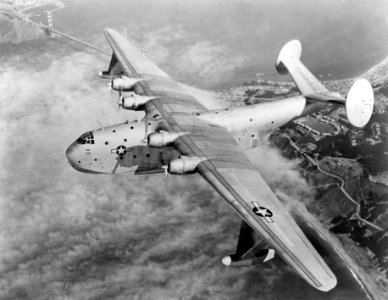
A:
(120, 103)
(165, 168)
(111, 91)
(164, 161)
(109, 84)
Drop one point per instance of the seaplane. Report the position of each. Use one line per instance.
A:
(179, 134)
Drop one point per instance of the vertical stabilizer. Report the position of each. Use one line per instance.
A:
(359, 103)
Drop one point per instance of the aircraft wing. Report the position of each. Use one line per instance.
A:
(222, 163)
(231, 173)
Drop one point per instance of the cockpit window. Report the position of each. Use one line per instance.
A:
(86, 138)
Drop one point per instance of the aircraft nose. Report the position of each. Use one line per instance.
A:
(71, 153)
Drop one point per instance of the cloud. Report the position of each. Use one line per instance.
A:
(69, 235)
(186, 56)
(204, 63)
(282, 174)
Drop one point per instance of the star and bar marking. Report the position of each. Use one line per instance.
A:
(262, 212)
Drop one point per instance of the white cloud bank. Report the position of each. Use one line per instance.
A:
(68, 235)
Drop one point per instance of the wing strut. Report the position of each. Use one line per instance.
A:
(251, 249)
(114, 70)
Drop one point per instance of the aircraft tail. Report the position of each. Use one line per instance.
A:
(359, 101)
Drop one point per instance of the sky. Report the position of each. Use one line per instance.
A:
(69, 235)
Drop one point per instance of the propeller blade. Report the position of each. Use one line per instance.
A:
(165, 172)
(109, 84)
(111, 95)
(120, 103)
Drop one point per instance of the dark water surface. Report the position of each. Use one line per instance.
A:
(340, 38)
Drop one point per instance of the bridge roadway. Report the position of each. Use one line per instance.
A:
(45, 27)
(75, 39)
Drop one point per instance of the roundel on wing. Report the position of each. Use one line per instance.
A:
(263, 212)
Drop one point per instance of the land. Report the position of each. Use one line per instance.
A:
(347, 167)
(15, 19)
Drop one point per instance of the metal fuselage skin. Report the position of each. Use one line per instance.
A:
(123, 148)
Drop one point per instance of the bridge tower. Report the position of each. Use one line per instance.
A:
(50, 23)
(50, 20)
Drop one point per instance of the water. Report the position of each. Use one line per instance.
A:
(229, 44)
(348, 286)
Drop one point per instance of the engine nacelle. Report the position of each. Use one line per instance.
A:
(162, 138)
(134, 101)
(183, 165)
(124, 83)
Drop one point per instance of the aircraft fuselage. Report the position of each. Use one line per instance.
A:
(123, 148)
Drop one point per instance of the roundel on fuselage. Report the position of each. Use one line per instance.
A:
(121, 150)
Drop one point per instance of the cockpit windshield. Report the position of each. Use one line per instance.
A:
(86, 138)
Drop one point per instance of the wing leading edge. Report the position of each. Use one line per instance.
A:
(224, 165)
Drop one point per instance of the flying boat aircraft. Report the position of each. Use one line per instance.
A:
(180, 135)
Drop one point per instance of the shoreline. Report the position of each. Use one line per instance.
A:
(372, 290)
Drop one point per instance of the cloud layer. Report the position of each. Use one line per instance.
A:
(68, 235)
